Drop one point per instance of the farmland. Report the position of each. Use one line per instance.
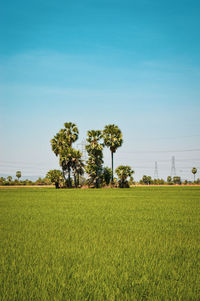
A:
(109, 244)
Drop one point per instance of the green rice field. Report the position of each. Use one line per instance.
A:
(141, 243)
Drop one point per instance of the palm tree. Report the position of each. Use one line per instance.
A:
(169, 179)
(9, 178)
(77, 166)
(123, 172)
(194, 171)
(55, 176)
(112, 139)
(18, 174)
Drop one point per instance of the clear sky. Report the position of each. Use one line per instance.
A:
(133, 63)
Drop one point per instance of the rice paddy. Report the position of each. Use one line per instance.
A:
(140, 243)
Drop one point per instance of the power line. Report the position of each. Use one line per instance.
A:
(177, 137)
(163, 151)
(25, 163)
(135, 165)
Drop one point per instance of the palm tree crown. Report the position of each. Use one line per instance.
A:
(71, 132)
(194, 171)
(64, 138)
(112, 137)
(93, 139)
(123, 172)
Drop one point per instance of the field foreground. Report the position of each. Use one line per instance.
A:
(109, 244)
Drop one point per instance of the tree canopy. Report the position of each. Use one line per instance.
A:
(18, 174)
(55, 176)
(124, 172)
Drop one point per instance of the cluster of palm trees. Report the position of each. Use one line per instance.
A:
(70, 159)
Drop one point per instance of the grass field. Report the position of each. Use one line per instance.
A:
(130, 244)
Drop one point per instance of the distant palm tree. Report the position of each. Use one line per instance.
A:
(112, 139)
(18, 174)
(194, 171)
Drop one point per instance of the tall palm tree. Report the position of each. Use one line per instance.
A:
(194, 171)
(112, 139)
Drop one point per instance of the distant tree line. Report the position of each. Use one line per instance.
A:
(125, 179)
(10, 181)
(73, 167)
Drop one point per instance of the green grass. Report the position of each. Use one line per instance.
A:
(129, 244)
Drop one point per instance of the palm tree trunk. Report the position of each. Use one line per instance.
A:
(78, 179)
(57, 185)
(64, 176)
(97, 179)
(97, 173)
(75, 183)
(69, 177)
(112, 166)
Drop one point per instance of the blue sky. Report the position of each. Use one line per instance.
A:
(133, 63)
